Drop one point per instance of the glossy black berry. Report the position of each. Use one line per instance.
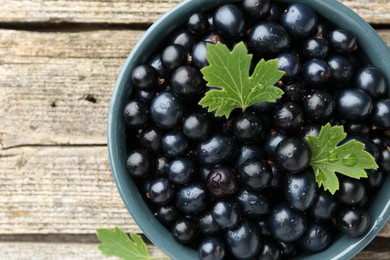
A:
(187, 81)
(317, 237)
(311, 129)
(315, 47)
(252, 204)
(222, 182)
(293, 155)
(207, 224)
(287, 250)
(341, 69)
(174, 144)
(262, 107)
(184, 38)
(275, 12)
(212, 249)
(244, 241)
(181, 171)
(271, 141)
(318, 106)
(150, 139)
(342, 41)
(196, 126)
(198, 23)
(269, 251)
(277, 180)
(166, 110)
(255, 174)
(145, 77)
(263, 228)
(155, 62)
(381, 114)
(289, 63)
(324, 207)
(353, 104)
(371, 80)
(184, 230)
(351, 191)
(139, 163)
(299, 20)
(288, 117)
(226, 214)
(199, 59)
(247, 152)
(167, 214)
(248, 128)
(316, 72)
(294, 92)
(161, 191)
(300, 189)
(213, 37)
(353, 222)
(191, 199)
(256, 9)
(374, 180)
(161, 166)
(286, 224)
(146, 96)
(379, 139)
(216, 149)
(384, 159)
(174, 56)
(229, 21)
(136, 114)
(268, 39)
(358, 128)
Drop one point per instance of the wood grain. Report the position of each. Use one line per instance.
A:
(53, 251)
(45, 79)
(134, 11)
(66, 190)
(71, 251)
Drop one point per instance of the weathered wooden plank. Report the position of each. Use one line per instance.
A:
(64, 251)
(59, 190)
(45, 79)
(135, 11)
(48, 251)
(68, 190)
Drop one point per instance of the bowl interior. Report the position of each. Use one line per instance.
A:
(375, 52)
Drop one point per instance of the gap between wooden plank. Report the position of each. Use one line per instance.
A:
(85, 27)
(71, 26)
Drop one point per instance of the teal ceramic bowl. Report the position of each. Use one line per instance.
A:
(375, 51)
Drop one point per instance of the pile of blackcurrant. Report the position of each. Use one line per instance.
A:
(241, 188)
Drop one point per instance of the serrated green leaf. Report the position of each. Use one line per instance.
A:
(327, 159)
(118, 243)
(229, 73)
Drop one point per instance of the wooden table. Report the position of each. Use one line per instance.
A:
(59, 60)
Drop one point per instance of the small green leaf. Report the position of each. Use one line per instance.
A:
(327, 158)
(118, 243)
(229, 73)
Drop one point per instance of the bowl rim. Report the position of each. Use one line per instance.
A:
(134, 202)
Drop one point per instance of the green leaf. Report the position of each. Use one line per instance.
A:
(118, 243)
(229, 73)
(327, 158)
